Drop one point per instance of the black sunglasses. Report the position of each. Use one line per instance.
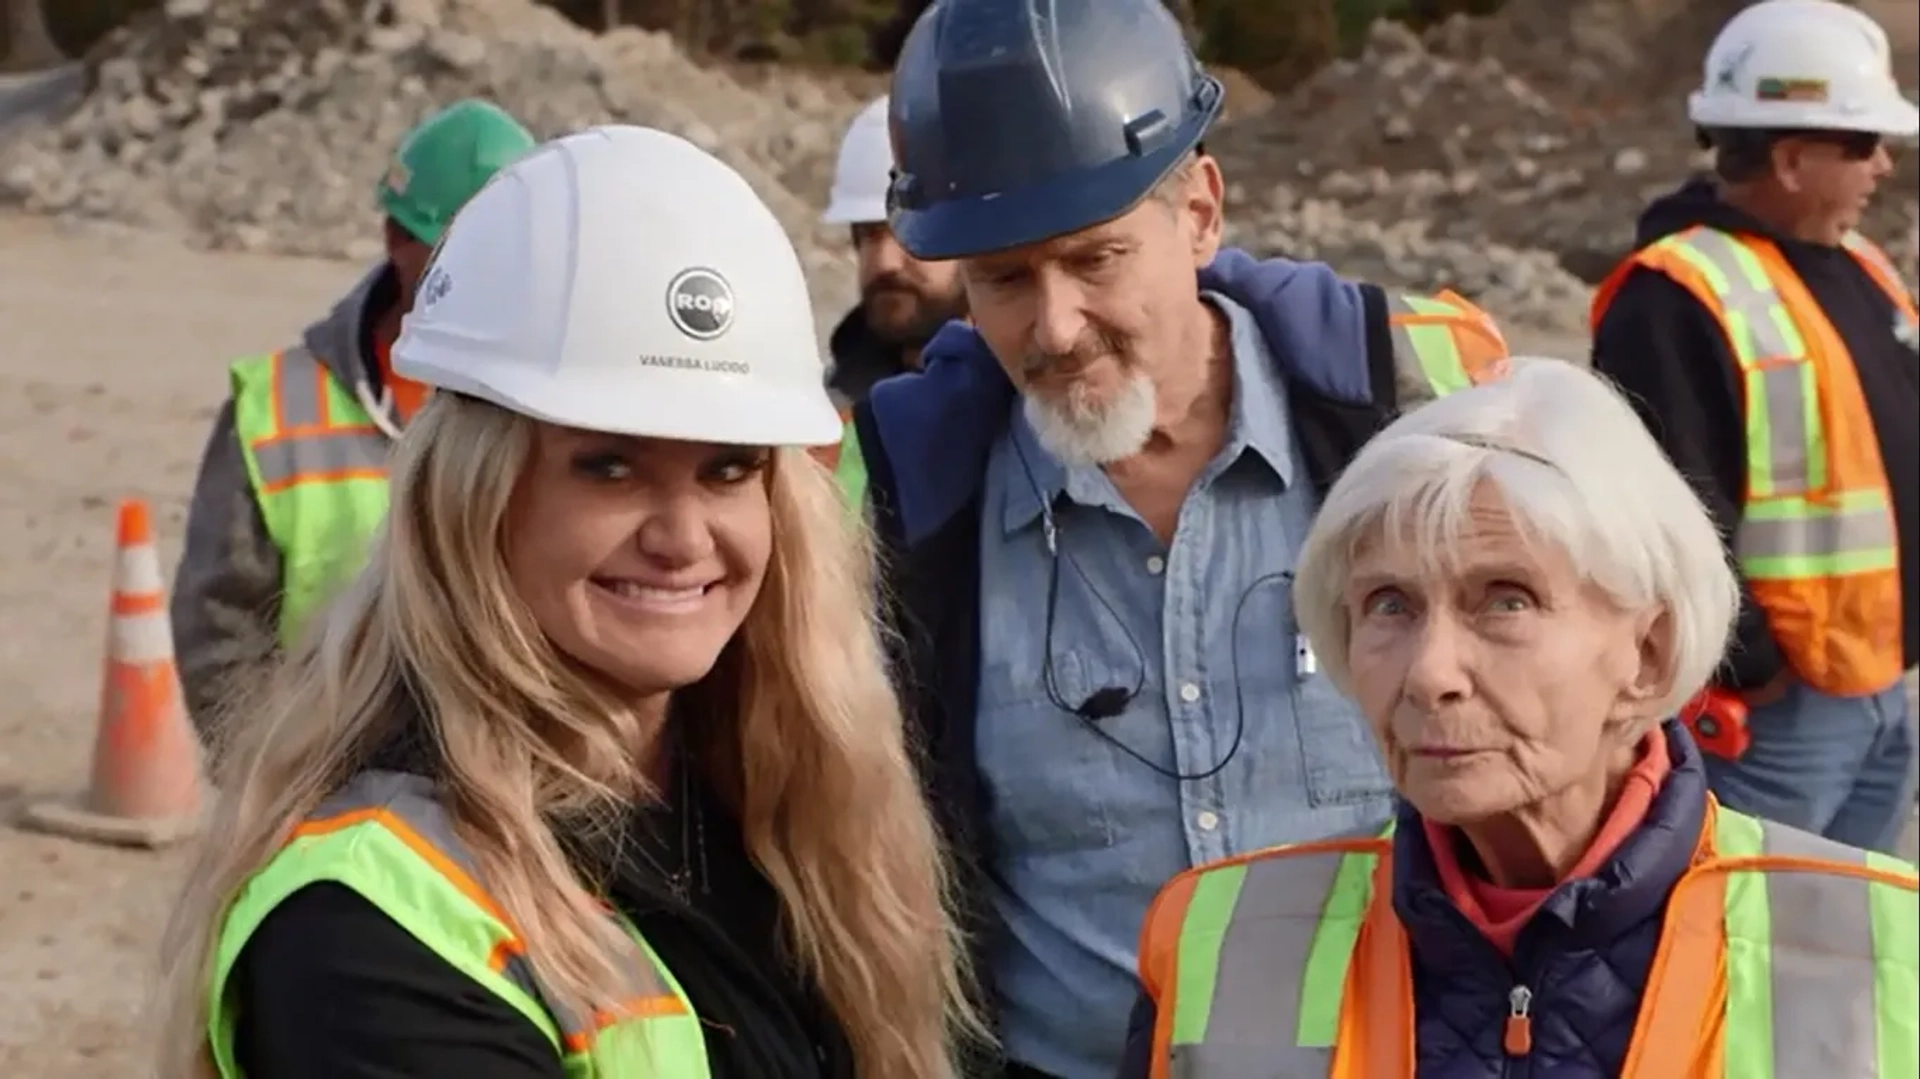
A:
(1853, 145)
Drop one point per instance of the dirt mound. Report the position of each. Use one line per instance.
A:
(263, 125)
(1546, 128)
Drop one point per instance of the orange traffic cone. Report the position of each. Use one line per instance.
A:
(146, 784)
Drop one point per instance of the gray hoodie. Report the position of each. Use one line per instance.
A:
(226, 593)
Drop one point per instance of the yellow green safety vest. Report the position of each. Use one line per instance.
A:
(851, 470)
(1428, 357)
(319, 470)
(387, 836)
(1823, 969)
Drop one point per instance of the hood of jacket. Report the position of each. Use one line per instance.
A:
(861, 360)
(1697, 202)
(939, 423)
(342, 341)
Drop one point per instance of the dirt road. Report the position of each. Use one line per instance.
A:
(112, 354)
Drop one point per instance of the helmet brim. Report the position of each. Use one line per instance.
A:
(1060, 206)
(627, 398)
(1892, 115)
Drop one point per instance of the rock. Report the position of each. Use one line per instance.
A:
(1630, 161)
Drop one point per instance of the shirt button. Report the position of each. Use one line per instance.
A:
(1208, 820)
(1189, 692)
(1156, 564)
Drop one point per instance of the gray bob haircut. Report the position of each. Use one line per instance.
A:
(1576, 468)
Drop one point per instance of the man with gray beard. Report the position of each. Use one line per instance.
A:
(1089, 499)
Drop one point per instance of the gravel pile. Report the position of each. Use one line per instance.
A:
(263, 125)
(1508, 157)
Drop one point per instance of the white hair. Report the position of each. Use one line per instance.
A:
(1577, 470)
(1079, 430)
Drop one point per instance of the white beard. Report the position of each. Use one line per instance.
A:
(1080, 431)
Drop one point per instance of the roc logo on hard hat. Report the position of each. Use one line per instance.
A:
(700, 303)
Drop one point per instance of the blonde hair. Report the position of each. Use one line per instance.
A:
(1576, 468)
(814, 759)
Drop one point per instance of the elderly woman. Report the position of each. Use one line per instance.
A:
(595, 770)
(1519, 591)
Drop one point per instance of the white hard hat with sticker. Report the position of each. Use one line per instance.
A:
(863, 171)
(1803, 64)
(622, 279)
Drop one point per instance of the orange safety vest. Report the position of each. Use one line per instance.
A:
(1442, 344)
(1783, 956)
(1816, 542)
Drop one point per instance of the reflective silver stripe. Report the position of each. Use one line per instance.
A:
(1823, 534)
(1822, 961)
(1275, 1059)
(1868, 251)
(1760, 329)
(1260, 980)
(297, 388)
(323, 454)
(411, 798)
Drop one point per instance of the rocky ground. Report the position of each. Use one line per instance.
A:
(1547, 128)
(1504, 157)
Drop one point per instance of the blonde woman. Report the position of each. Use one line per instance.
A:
(595, 770)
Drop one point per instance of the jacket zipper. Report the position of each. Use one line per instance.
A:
(1517, 1038)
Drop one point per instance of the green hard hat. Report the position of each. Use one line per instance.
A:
(446, 161)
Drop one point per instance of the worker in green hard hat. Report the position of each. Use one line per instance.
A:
(293, 480)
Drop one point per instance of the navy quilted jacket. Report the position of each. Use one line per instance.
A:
(1581, 962)
(1583, 958)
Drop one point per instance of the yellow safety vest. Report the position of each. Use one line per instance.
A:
(319, 470)
(388, 837)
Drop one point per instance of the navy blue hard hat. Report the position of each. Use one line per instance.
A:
(1016, 121)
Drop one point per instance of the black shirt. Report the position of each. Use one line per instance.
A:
(328, 987)
(1671, 356)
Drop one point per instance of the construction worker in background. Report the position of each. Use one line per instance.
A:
(902, 299)
(1772, 350)
(293, 480)
(1160, 420)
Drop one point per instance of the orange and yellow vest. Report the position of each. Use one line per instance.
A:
(1816, 540)
(318, 464)
(389, 838)
(1783, 956)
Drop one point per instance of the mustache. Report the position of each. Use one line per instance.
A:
(1091, 345)
(889, 283)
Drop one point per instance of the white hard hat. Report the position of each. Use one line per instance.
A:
(623, 280)
(1803, 64)
(865, 168)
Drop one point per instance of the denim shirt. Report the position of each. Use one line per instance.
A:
(1087, 834)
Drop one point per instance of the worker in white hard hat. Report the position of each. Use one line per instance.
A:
(903, 300)
(595, 768)
(1772, 348)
